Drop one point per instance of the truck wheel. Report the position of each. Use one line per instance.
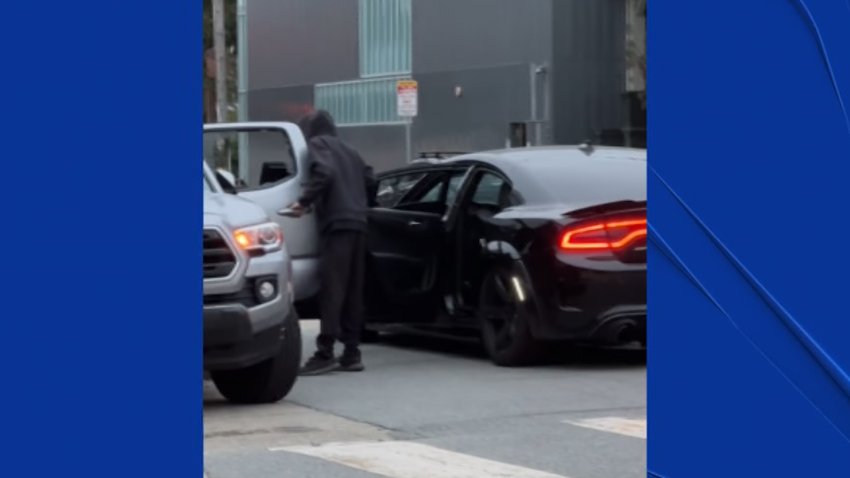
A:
(268, 381)
(503, 318)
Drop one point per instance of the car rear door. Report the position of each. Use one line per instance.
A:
(269, 162)
(407, 244)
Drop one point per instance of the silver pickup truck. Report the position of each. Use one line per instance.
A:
(252, 339)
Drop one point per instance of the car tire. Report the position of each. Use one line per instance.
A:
(268, 381)
(504, 320)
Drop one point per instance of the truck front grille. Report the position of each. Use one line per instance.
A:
(219, 260)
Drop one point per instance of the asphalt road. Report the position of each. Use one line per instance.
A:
(428, 408)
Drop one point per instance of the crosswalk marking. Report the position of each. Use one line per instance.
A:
(624, 426)
(402, 459)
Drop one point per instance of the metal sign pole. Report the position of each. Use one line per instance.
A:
(407, 92)
(407, 140)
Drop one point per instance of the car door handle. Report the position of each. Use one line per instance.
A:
(414, 223)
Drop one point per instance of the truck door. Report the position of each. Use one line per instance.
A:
(270, 163)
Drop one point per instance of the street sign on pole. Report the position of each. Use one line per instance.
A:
(407, 92)
(407, 98)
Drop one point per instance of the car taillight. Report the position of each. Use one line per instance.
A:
(610, 235)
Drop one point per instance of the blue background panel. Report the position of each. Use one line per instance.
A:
(749, 144)
(101, 201)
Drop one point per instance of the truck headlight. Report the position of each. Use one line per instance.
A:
(265, 237)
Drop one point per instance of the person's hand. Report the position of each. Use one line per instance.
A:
(297, 209)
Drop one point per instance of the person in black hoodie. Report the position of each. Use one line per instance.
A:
(341, 187)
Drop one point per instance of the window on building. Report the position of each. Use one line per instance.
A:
(385, 51)
(360, 102)
(385, 37)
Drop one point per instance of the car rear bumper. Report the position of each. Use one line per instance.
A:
(620, 325)
(600, 307)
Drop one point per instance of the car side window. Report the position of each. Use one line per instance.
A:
(255, 159)
(454, 187)
(438, 188)
(393, 188)
(432, 194)
(494, 191)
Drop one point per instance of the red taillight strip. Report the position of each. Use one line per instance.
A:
(633, 236)
(567, 244)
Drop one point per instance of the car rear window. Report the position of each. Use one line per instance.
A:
(552, 177)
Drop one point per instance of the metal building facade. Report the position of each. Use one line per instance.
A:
(491, 73)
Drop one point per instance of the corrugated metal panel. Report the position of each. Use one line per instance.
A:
(385, 37)
(360, 102)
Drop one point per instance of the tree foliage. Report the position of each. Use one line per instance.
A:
(208, 59)
(636, 51)
(229, 23)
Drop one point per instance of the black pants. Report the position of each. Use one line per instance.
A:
(341, 268)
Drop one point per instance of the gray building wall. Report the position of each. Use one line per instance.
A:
(301, 42)
(589, 68)
(478, 120)
(485, 47)
(472, 34)
(292, 45)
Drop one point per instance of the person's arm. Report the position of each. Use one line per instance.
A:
(319, 179)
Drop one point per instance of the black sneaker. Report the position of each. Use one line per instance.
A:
(318, 365)
(351, 362)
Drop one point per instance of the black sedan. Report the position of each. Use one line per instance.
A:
(528, 247)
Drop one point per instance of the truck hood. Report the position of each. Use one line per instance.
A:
(231, 210)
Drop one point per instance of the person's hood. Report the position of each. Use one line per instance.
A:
(317, 123)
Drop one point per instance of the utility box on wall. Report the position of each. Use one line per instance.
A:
(517, 135)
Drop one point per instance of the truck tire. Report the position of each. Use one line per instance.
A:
(503, 319)
(268, 381)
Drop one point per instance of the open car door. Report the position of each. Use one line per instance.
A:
(268, 162)
(407, 246)
(403, 264)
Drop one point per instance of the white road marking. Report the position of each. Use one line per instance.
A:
(401, 459)
(624, 426)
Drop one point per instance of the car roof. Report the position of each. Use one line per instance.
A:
(565, 153)
(592, 175)
(502, 158)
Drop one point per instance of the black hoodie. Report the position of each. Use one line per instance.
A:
(340, 184)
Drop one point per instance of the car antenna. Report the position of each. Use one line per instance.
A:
(586, 147)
